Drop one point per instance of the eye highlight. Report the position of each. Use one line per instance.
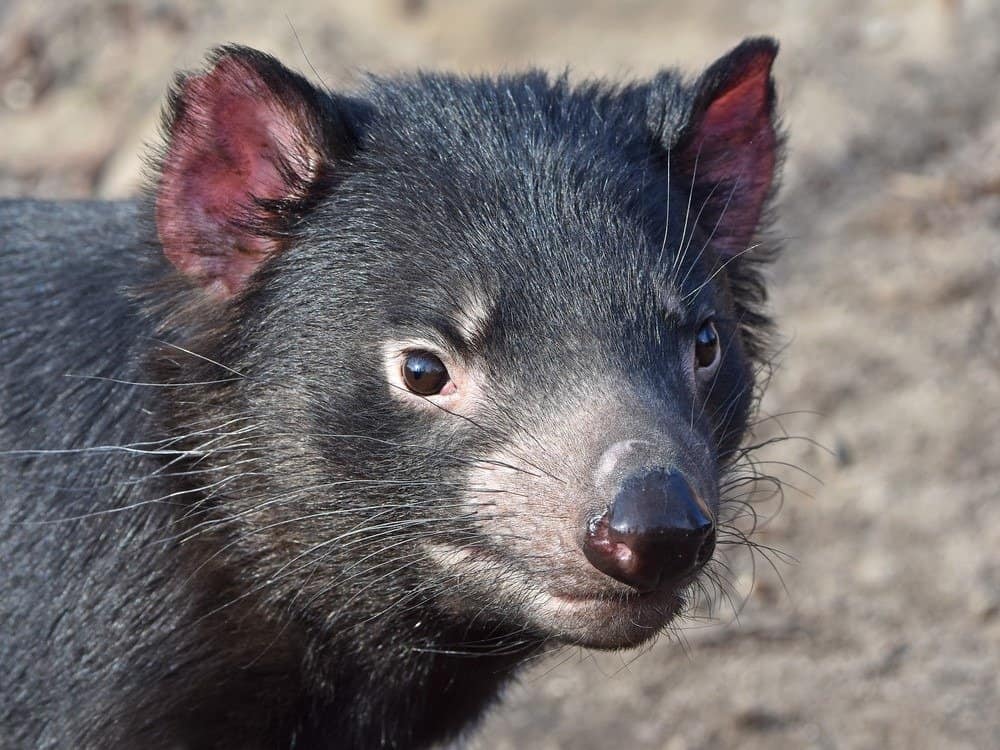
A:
(424, 373)
(706, 347)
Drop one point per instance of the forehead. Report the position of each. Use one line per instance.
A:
(521, 197)
(520, 168)
(515, 153)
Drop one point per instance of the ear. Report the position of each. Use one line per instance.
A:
(730, 146)
(249, 146)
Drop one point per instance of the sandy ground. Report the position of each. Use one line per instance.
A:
(885, 631)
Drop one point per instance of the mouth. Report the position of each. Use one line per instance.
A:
(602, 617)
(612, 619)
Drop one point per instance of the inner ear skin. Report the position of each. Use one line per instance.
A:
(243, 138)
(729, 149)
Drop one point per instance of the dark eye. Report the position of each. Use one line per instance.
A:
(706, 345)
(424, 373)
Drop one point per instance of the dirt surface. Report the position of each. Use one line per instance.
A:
(885, 632)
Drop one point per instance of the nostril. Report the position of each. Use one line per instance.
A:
(655, 532)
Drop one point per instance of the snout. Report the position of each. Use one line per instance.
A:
(656, 532)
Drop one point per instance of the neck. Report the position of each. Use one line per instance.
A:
(403, 682)
(414, 696)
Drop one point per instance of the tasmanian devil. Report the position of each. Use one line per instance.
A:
(372, 398)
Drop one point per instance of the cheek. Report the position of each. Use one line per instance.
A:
(728, 403)
(519, 507)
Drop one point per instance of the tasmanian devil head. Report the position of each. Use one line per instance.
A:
(475, 354)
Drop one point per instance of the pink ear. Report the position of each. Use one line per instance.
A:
(730, 148)
(246, 143)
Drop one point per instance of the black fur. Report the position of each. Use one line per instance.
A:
(209, 511)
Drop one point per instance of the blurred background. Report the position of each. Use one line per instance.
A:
(879, 625)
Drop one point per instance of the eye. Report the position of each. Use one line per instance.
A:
(424, 373)
(706, 345)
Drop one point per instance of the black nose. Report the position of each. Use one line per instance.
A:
(656, 532)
